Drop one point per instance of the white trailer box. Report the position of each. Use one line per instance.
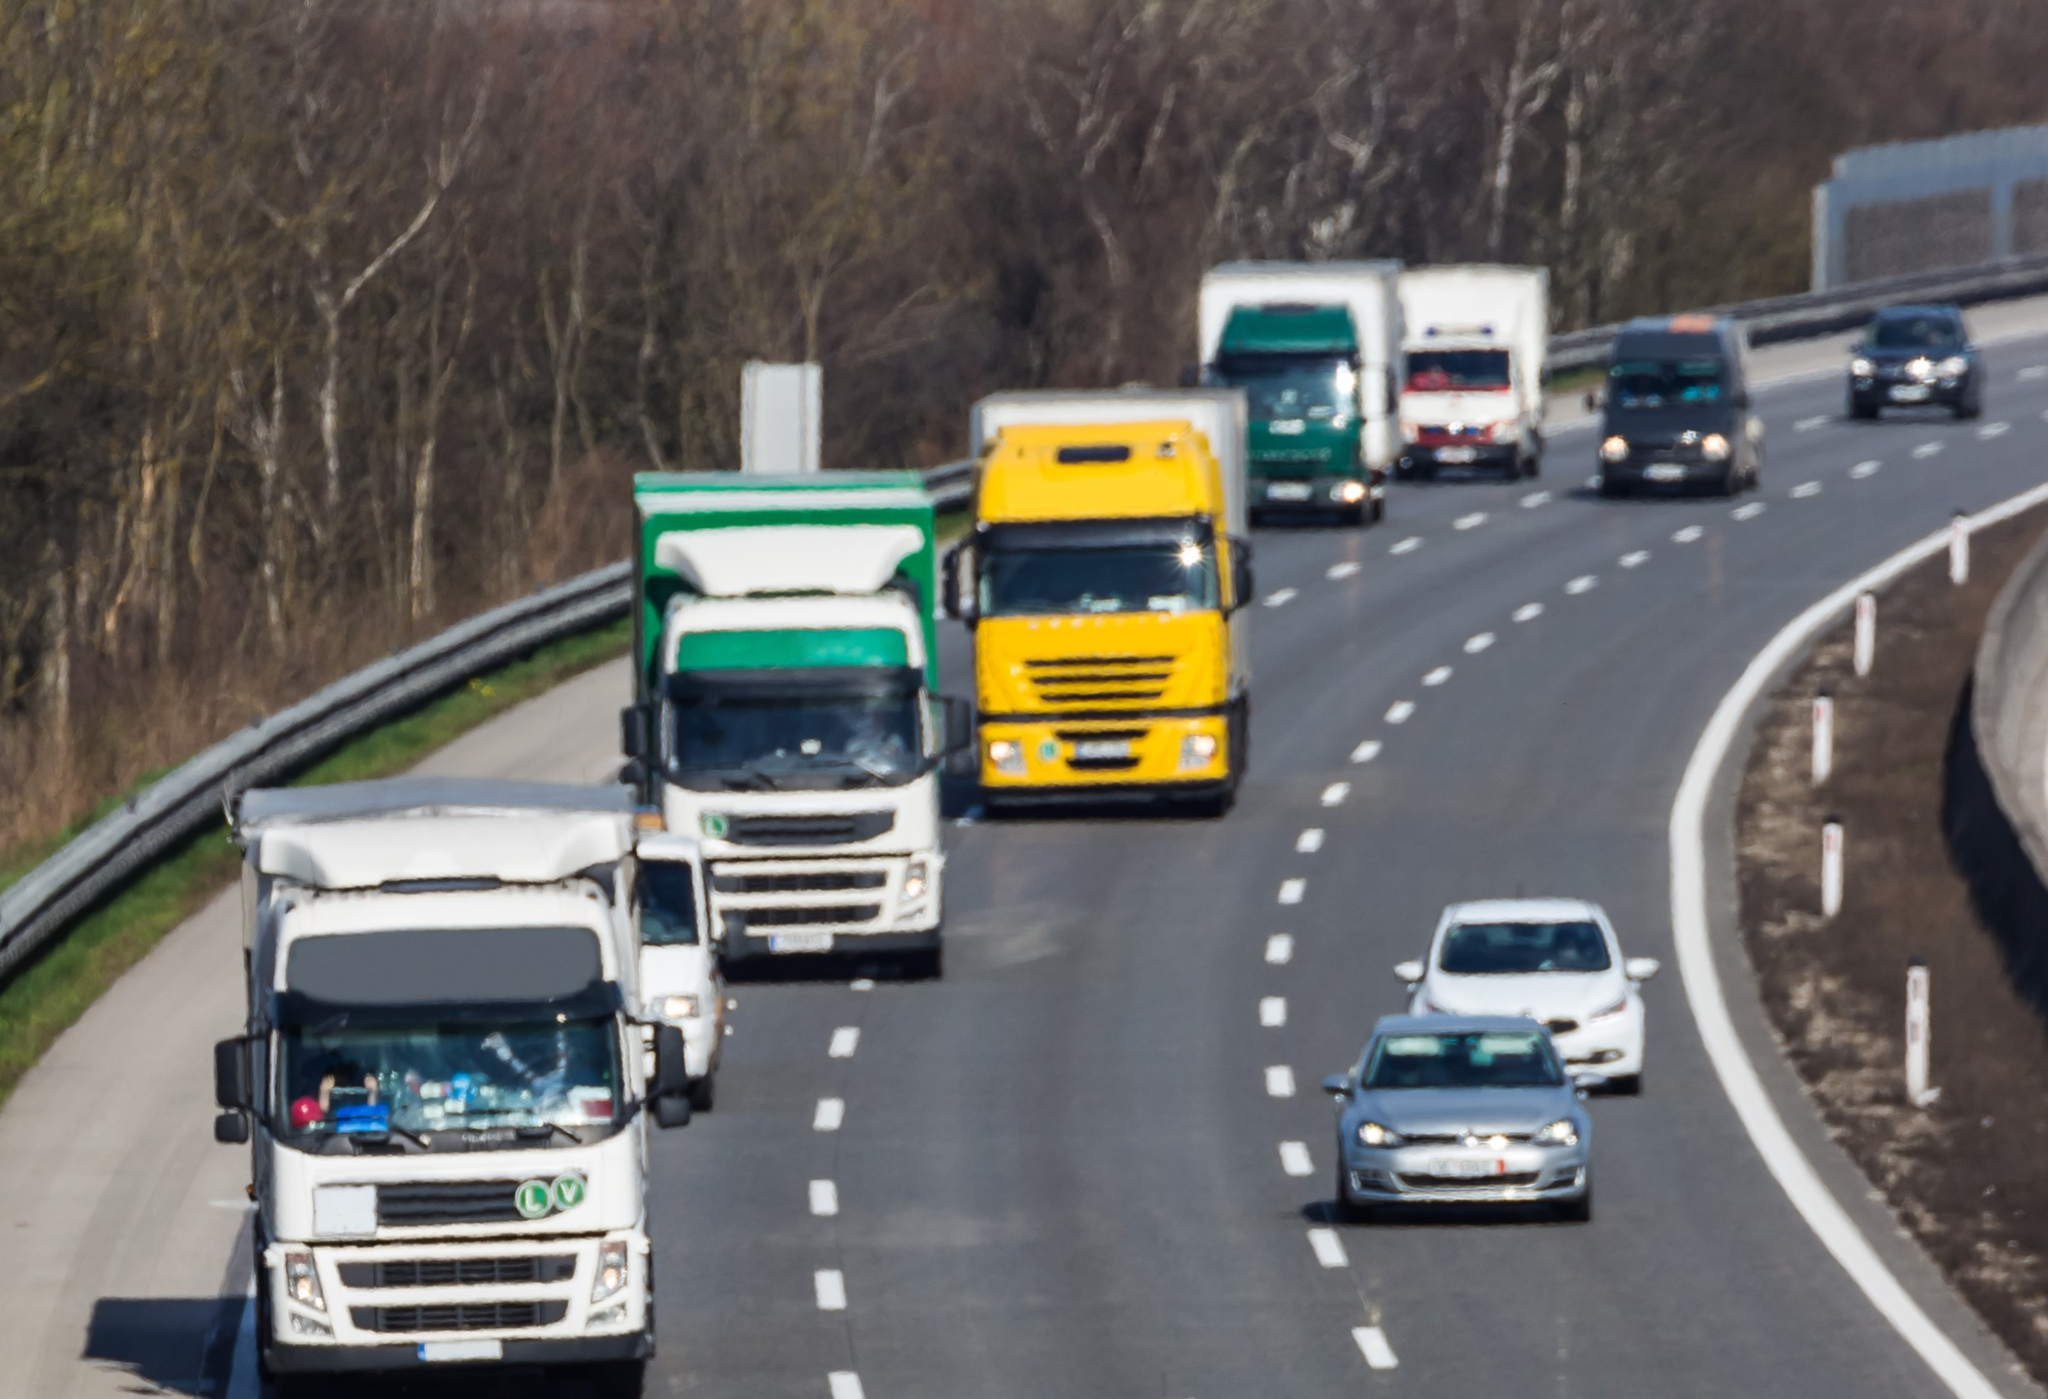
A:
(1460, 406)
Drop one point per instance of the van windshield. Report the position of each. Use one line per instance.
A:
(1664, 383)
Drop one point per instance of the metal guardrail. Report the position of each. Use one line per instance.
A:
(182, 803)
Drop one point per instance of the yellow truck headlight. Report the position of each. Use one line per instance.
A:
(1006, 756)
(1197, 751)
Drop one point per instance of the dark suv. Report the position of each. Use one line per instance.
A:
(1916, 356)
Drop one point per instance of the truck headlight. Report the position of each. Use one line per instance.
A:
(674, 1008)
(1714, 447)
(302, 1281)
(917, 882)
(1614, 449)
(1558, 1133)
(1954, 367)
(1351, 492)
(1197, 751)
(612, 1269)
(1861, 367)
(1373, 1134)
(1007, 756)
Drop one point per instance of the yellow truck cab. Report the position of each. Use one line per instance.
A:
(1105, 581)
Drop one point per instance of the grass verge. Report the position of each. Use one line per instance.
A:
(49, 995)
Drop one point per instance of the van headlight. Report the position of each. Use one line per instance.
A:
(1197, 751)
(1558, 1133)
(674, 1008)
(1007, 756)
(917, 882)
(1954, 367)
(1614, 449)
(612, 1269)
(1714, 447)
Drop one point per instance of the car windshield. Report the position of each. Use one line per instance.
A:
(668, 904)
(1663, 383)
(1493, 949)
(1474, 1059)
(429, 1077)
(1915, 333)
(1446, 371)
(1124, 578)
(1285, 386)
(730, 741)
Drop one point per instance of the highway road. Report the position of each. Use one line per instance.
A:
(1093, 1160)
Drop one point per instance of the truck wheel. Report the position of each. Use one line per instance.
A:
(1610, 488)
(1379, 508)
(704, 1093)
(1534, 467)
(1356, 516)
(617, 1379)
(927, 964)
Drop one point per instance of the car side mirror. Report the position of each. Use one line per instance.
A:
(231, 1128)
(232, 1086)
(1640, 968)
(1410, 972)
(959, 722)
(1337, 1086)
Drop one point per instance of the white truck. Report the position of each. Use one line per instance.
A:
(1472, 395)
(445, 1081)
(1316, 347)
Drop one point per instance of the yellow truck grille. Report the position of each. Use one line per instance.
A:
(1094, 680)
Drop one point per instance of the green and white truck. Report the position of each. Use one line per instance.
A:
(786, 710)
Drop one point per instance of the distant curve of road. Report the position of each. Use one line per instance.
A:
(1093, 1160)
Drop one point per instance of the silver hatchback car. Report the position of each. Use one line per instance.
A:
(1462, 1109)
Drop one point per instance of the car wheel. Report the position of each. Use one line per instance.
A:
(704, 1094)
(1533, 467)
(1730, 483)
(1379, 509)
(1343, 1209)
(1357, 515)
(1579, 1211)
(1611, 489)
(1859, 408)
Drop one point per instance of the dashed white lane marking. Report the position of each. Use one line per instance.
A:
(2034, 371)
(1399, 710)
(1584, 583)
(1342, 570)
(1471, 521)
(1534, 499)
(845, 1385)
(1272, 1011)
(1329, 1248)
(830, 1285)
(830, 1114)
(1634, 560)
(1864, 470)
(824, 1198)
(1294, 1159)
(1437, 677)
(1309, 841)
(1991, 430)
(1407, 546)
(861, 983)
(1372, 1344)
(1280, 949)
(845, 1040)
(1926, 450)
(1366, 751)
(1805, 490)
(1475, 644)
(1747, 512)
(1688, 534)
(1291, 890)
(1282, 597)
(1279, 1081)
(1334, 794)
(1528, 612)
(1809, 424)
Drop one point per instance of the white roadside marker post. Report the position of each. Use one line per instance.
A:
(1919, 1030)
(1831, 867)
(1823, 737)
(1959, 548)
(1866, 631)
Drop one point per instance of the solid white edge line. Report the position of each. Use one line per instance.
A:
(1372, 1344)
(1690, 935)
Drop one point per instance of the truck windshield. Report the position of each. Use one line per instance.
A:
(1127, 578)
(1292, 386)
(560, 1077)
(1457, 371)
(1663, 383)
(737, 741)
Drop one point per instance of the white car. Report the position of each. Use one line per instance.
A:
(1556, 961)
(680, 983)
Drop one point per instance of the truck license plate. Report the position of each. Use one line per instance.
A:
(1095, 750)
(462, 1350)
(1467, 1168)
(1664, 471)
(1910, 393)
(800, 942)
(1287, 490)
(1457, 456)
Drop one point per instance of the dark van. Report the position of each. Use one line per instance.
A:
(1675, 410)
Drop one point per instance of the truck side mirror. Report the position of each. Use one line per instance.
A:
(633, 732)
(232, 1088)
(1190, 376)
(670, 1090)
(231, 1129)
(956, 602)
(959, 720)
(1241, 573)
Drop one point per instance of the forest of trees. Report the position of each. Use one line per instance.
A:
(326, 322)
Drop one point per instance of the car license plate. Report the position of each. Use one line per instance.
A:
(800, 942)
(1467, 1168)
(1456, 456)
(462, 1350)
(1287, 490)
(1910, 393)
(1095, 750)
(1665, 471)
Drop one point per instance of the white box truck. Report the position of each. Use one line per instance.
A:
(1316, 348)
(1472, 395)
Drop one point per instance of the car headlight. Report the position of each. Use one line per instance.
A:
(1373, 1134)
(1559, 1133)
(612, 1269)
(1714, 447)
(302, 1281)
(1861, 367)
(674, 1008)
(1609, 1012)
(917, 881)
(1614, 449)
(1197, 751)
(1006, 756)
(1954, 367)
(1426, 1006)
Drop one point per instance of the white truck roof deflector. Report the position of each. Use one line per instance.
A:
(850, 559)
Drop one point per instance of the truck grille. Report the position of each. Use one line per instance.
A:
(1093, 679)
(788, 917)
(458, 1272)
(810, 830)
(824, 882)
(459, 1316)
(413, 1203)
